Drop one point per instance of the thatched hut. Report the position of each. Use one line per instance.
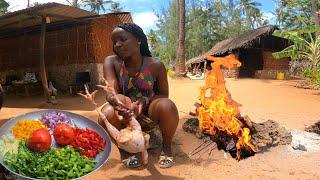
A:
(254, 50)
(75, 41)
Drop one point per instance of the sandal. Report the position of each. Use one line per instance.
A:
(132, 162)
(165, 161)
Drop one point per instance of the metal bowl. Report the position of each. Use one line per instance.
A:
(79, 121)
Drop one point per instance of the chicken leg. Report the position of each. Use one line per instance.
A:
(131, 138)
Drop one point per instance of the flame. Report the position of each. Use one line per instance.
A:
(218, 111)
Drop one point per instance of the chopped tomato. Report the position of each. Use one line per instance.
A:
(89, 141)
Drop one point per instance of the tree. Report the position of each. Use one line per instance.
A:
(294, 9)
(154, 43)
(279, 13)
(181, 40)
(3, 7)
(314, 8)
(305, 46)
(74, 3)
(233, 20)
(115, 7)
(206, 22)
(35, 4)
(167, 35)
(97, 5)
(251, 12)
(203, 27)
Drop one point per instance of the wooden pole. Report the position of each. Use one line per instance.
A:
(43, 72)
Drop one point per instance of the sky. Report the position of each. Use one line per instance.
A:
(142, 11)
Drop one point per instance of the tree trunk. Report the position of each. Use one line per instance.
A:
(28, 3)
(42, 63)
(176, 62)
(181, 49)
(314, 8)
(248, 18)
(177, 18)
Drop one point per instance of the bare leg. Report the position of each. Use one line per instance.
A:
(109, 112)
(165, 112)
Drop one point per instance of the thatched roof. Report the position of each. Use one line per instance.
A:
(228, 45)
(30, 16)
(201, 57)
(245, 40)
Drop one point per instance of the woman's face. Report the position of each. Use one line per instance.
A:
(124, 43)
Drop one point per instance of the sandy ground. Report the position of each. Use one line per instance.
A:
(261, 100)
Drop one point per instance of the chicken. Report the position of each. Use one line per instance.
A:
(131, 139)
(52, 90)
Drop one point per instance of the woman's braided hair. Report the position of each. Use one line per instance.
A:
(137, 32)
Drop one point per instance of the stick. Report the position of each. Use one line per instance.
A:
(201, 147)
(211, 147)
(190, 153)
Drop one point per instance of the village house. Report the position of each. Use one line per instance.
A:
(75, 44)
(254, 50)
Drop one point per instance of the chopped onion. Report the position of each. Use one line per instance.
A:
(8, 144)
(51, 119)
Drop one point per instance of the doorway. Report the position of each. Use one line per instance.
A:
(251, 61)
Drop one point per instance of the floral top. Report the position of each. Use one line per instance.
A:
(142, 84)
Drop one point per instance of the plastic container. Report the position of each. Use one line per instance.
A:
(280, 76)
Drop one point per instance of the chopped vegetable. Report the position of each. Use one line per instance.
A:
(89, 141)
(40, 140)
(24, 128)
(51, 119)
(62, 163)
(8, 144)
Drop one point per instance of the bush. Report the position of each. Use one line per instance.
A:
(312, 75)
(297, 68)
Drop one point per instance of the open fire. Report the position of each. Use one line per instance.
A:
(218, 113)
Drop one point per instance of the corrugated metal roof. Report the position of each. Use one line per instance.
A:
(30, 16)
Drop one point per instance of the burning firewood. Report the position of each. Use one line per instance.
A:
(263, 136)
(217, 112)
(219, 118)
(131, 139)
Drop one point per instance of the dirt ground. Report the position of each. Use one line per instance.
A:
(261, 100)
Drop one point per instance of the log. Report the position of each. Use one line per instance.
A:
(263, 136)
(246, 122)
(315, 128)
